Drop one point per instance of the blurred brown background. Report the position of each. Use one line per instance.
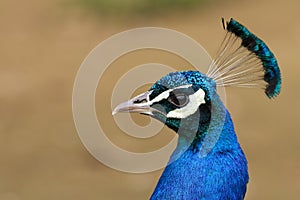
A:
(42, 45)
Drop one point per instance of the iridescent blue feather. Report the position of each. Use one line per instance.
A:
(222, 172)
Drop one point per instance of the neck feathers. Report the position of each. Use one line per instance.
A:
(213, 167)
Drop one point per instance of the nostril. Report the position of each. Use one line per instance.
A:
(140, 101)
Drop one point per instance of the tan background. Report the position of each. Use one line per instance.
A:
(42, 45)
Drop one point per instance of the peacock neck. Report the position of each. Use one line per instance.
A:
(213, 167)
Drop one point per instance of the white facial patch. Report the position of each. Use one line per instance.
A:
(163, 95)
(195, 100)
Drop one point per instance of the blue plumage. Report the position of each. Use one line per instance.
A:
(208, 162)
(222, 174)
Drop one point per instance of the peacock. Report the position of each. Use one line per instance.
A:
(208, 162)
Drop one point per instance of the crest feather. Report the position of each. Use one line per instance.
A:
(244, 60)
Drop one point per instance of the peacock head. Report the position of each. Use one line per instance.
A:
(189, 101)
(178, 100)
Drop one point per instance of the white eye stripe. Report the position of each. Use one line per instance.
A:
(196, 100)
(163, 95)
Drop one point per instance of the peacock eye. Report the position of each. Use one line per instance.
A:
(179, 100)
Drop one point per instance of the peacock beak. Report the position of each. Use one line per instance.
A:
(138, 104)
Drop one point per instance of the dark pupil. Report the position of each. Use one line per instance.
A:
(178, 99)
